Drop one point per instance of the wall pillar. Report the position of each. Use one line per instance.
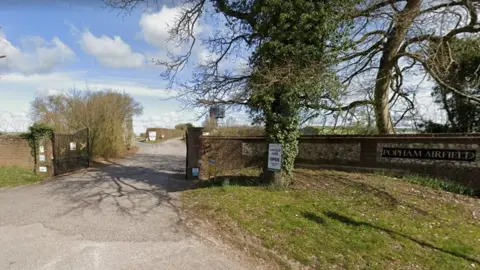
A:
(193, 153)
(44, 157)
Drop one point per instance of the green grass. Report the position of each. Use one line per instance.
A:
(12, 176)
(440, 184)
(331, 219)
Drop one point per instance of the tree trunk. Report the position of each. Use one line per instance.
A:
(281, 127)
(387, 63)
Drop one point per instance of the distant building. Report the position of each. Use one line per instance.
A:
(155, 134)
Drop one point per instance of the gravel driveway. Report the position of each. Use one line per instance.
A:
(122, 216)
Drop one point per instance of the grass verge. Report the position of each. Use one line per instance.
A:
(330, 219)
(12, 176)
(441, 184)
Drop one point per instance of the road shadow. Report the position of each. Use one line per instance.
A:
(350, 221)
(133, 186)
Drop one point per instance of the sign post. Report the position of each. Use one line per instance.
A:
(274, 157)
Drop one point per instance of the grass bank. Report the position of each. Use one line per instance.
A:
(12, 176)
(331, 219)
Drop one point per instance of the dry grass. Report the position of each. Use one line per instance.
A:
(331, 219)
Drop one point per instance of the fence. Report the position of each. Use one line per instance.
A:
(449, 156)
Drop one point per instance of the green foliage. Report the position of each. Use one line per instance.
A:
(331, 220)
(184, 127)
(432, 127)
(12, 176)
(458, 61)
(291, 66)
(441, 184)
(37, 132)
(356, 129)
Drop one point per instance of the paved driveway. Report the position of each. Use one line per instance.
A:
(123, 216)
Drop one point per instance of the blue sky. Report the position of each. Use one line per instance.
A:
(53, 47)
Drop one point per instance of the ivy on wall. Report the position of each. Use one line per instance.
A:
(36, 133)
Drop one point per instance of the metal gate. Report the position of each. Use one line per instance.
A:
(71, 151)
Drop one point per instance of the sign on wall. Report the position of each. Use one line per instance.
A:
(41, 149)
(42, 169)
(424, 153)
(152, 135)
(195, 171)
(41, 157)
(274, 157)
(73, 146)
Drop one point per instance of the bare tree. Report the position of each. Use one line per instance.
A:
(392, 37)
(108, 114)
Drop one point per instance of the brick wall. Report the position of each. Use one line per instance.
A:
(355, 153)
(15, 152)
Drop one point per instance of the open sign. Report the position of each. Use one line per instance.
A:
(274, 157)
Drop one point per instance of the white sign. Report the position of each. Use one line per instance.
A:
(152, 135)
(42, 169)
(73, 146)
(41, 157)
(274, 157)
(41, 149)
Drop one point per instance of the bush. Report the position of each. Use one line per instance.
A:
(184, 127)
(446, 185)
(239, 131)
(108, 114)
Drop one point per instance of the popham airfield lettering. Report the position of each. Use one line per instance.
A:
(423, 153)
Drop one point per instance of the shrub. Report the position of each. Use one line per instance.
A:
(108, 114)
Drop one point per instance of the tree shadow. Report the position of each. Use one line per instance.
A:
(387, 199)
(133, 186)
(347, 220)
(236, 180)
(311, 216)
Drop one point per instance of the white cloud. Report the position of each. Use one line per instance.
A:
(155, 26)
(14, 108)
(60, 82)
(162, 119)
(111, 52)
(35, 55)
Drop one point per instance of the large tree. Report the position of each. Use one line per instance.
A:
(289, 48)
(458, 63)
(392, 40)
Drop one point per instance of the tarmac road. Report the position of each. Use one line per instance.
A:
(122, 216)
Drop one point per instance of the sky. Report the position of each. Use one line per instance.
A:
(56, 46)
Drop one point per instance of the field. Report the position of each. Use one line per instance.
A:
(330, 220)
